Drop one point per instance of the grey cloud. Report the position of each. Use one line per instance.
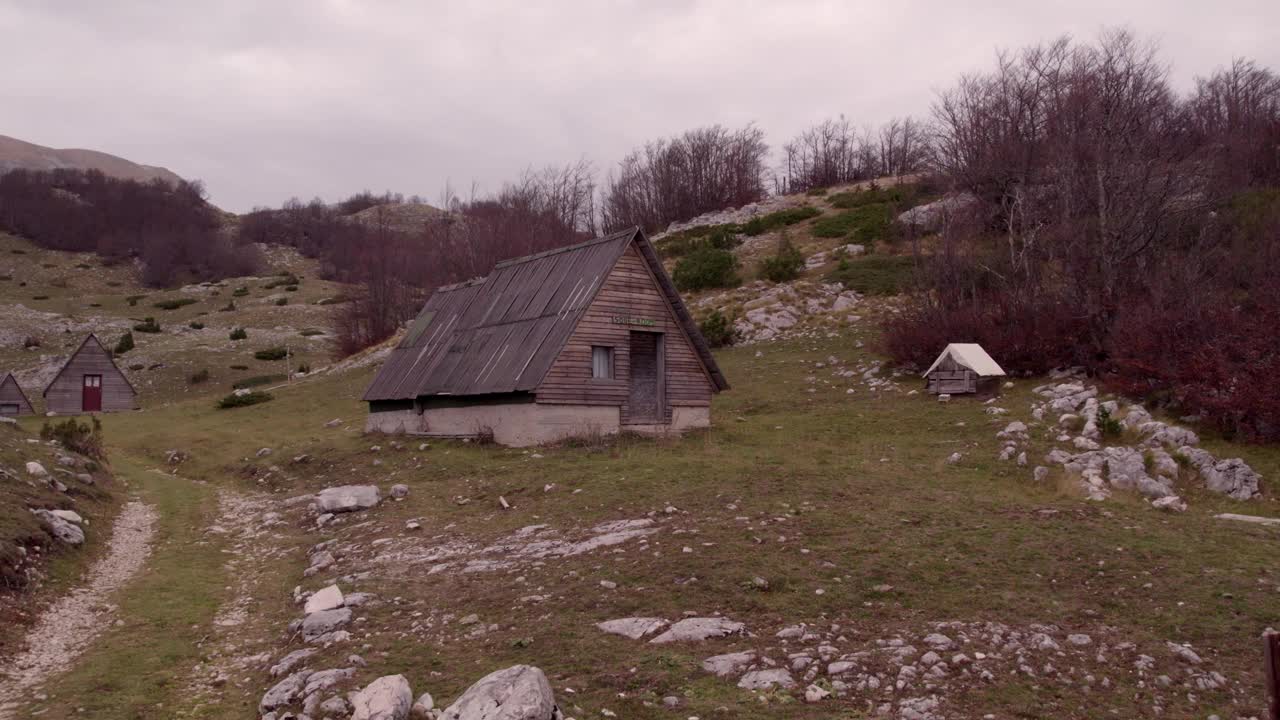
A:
(265, 100)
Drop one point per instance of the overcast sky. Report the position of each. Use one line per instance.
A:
(265, 100)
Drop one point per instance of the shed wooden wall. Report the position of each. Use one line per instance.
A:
(11, 393)
(629, 291)
(65, 394)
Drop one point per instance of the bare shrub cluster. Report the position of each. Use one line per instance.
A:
(678, 178)
(170, 228)
(834, 152)
(1117, 225)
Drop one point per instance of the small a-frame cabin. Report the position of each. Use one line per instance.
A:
(584, 340)
(961, 368)
(13, 402)
(89, 382)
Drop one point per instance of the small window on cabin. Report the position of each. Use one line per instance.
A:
(601, 362)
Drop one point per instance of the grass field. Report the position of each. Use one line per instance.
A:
(830, 491)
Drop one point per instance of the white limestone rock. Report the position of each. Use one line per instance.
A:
(633, 628)
(697, 629)
(329, 598)
(387, 698)
(348, 498)
(520, 692)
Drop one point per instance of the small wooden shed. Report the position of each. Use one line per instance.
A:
(13, 402)
(90, 382)
(590, 339)
(961, 368)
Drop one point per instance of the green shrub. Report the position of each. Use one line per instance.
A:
(785, 264)
(875, 275)
(722, 237)
(39, 297)
(706, 267)
(238, 334)
(717, 329)
(816, 192)
(257, 380)
(195, 325)
(1109, 426)
(240, 291)
(282, 301)
(311, 332)
(291, 288)
(281, 280)
(149, 325)
(335, 300)
(304, 368)
(865, 223)
(174, 304)
(230, 307)
(239, 367)
(251, 398)
(782, 218)
(84, 438)
(133, 299)
(125, 343)
(275, 353)
(200, 376)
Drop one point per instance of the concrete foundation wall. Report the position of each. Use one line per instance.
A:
(525, 424)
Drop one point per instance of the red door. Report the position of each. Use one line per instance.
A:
(92, 398)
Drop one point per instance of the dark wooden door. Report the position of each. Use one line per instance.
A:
(91, 400)
(645, 400)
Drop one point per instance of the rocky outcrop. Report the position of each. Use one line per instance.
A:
(697, 629)
(329, 598)
(1232, 477)
(520, 692)
(633, 628)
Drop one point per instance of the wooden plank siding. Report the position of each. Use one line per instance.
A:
(12, 396)
(65, 394)
(630, 292)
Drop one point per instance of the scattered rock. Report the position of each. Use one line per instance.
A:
(284, 692)
(290, 661)
(766, 679)
(422, 707)
(65, 531)
(729, 664)
(1172, 503)
(633, 628)
(35, 469)
(399, 491)
(321, 623)
(348, 498)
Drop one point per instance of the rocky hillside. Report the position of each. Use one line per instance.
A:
(19, 154)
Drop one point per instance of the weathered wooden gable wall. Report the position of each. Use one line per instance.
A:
(629, 292)
(65, 394)
(11, 393)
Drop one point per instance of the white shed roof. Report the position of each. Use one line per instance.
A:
(972, 356)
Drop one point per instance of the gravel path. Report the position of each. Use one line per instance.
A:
(67, 627)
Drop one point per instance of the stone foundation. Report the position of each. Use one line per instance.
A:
(525, 424)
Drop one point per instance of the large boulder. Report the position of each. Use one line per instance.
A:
(65, 531)
(36, 469)
(520, 692)
(1127, 470)
(729, 664)
(348, 498)
(387, 698)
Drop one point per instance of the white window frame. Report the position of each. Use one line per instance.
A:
(602, 362)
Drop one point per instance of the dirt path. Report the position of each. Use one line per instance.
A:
(67, 627)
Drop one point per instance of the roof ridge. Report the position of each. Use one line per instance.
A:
(567, 248)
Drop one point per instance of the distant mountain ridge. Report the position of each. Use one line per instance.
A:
(18, 154)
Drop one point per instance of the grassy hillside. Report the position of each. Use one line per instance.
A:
(52, 299)
(807, 503)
